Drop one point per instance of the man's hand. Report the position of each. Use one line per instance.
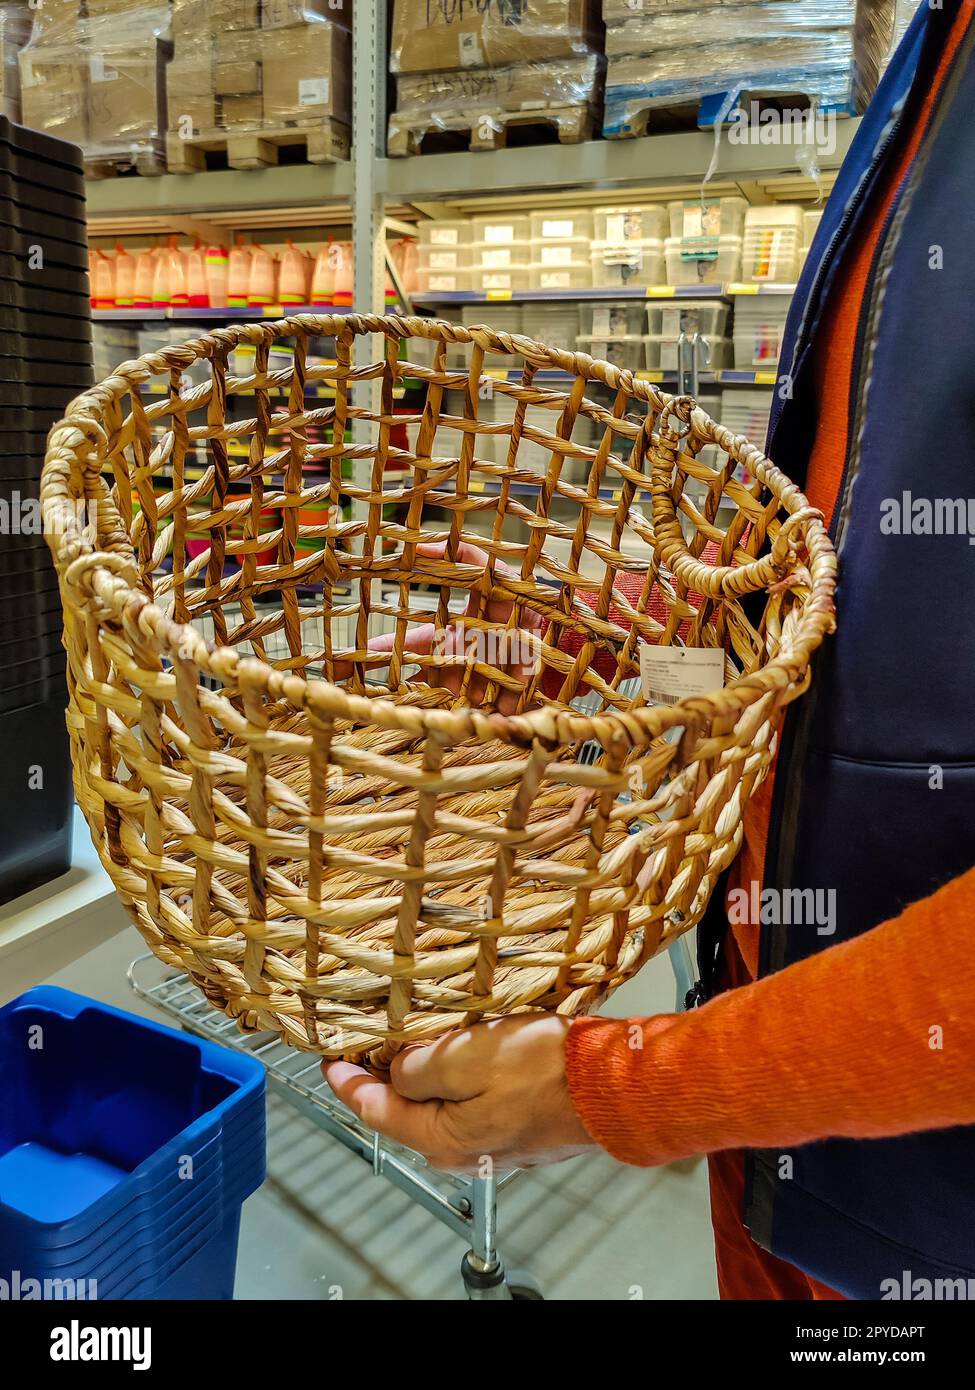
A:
(497, 1090)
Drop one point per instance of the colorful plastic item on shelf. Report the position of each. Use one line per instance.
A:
(145, 266)
(124, 278)
(323, 278)
(239, 276)
(217, 265)
(103, 282)
(197, 294)
(293, 276)
(260, 279)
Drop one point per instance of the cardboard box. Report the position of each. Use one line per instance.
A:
(237, 62)
(190, 97)
(307, 73)
(127, 95)
(54, 92)
(242, 111)
(443, 35)
(285, 14)
(56, 19)
(194, 18)
(236, 79)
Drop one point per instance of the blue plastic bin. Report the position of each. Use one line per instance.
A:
(101, 1109)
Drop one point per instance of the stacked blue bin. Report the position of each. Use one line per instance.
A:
(126, 1151)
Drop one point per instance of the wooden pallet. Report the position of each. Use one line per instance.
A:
(324, 141)
(149, 163)
(410, 135)
(631, 119)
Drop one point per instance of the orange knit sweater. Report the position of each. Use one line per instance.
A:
(802, 1055)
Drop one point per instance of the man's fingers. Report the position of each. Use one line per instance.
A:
(380, 1106)
(448, 1069)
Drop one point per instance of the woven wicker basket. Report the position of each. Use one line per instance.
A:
(359, 849)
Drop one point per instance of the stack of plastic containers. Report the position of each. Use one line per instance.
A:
(615, 333)
(554, 323)
(444, 256)
(45, 360)
(772, 247)
(759, 329)
(703, 319)
(126, 1151)
(628, 246)
(704, 246)
(560, 249)
(500, 253)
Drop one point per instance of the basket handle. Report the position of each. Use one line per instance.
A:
(715, 581)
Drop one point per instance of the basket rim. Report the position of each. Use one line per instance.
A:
(111, 576)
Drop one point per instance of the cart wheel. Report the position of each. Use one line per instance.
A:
(523, 1288)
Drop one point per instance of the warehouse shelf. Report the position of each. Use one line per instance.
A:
(227, 315)
(718, 291)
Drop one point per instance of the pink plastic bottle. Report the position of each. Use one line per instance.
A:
(103, 294)
(217, 269)
(293, 277)
(178, 294)
(323, 279)
(124, 278)
(239, 276)
(196, 279)
(260, 282)
(145, 267)
(160, 279)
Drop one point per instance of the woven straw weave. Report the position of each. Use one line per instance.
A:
(358, 849)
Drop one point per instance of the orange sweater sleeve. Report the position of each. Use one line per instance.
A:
(869, 1038)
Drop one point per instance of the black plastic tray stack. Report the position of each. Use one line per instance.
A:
(45, 360)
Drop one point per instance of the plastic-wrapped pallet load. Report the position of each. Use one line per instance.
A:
(480, 104)
(664, 56)
(15, 27)
(99, 80)
(278, 70)
(474, 70)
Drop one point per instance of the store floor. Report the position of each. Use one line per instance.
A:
(323, 1227)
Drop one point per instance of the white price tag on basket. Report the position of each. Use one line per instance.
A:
(671, 674)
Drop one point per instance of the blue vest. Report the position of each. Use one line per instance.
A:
(859, 804)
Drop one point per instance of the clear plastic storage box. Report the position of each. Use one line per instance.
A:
(698, 266)
(501, 229)
(709, 317)
(693, 218)
(629, 352)
(443, 281)
(484, 279)
(629, 222)
(772, 247)
(577, 275)
(453, 232)
(627, 319)
(562, 224)
(435, 257)
(617, 265)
